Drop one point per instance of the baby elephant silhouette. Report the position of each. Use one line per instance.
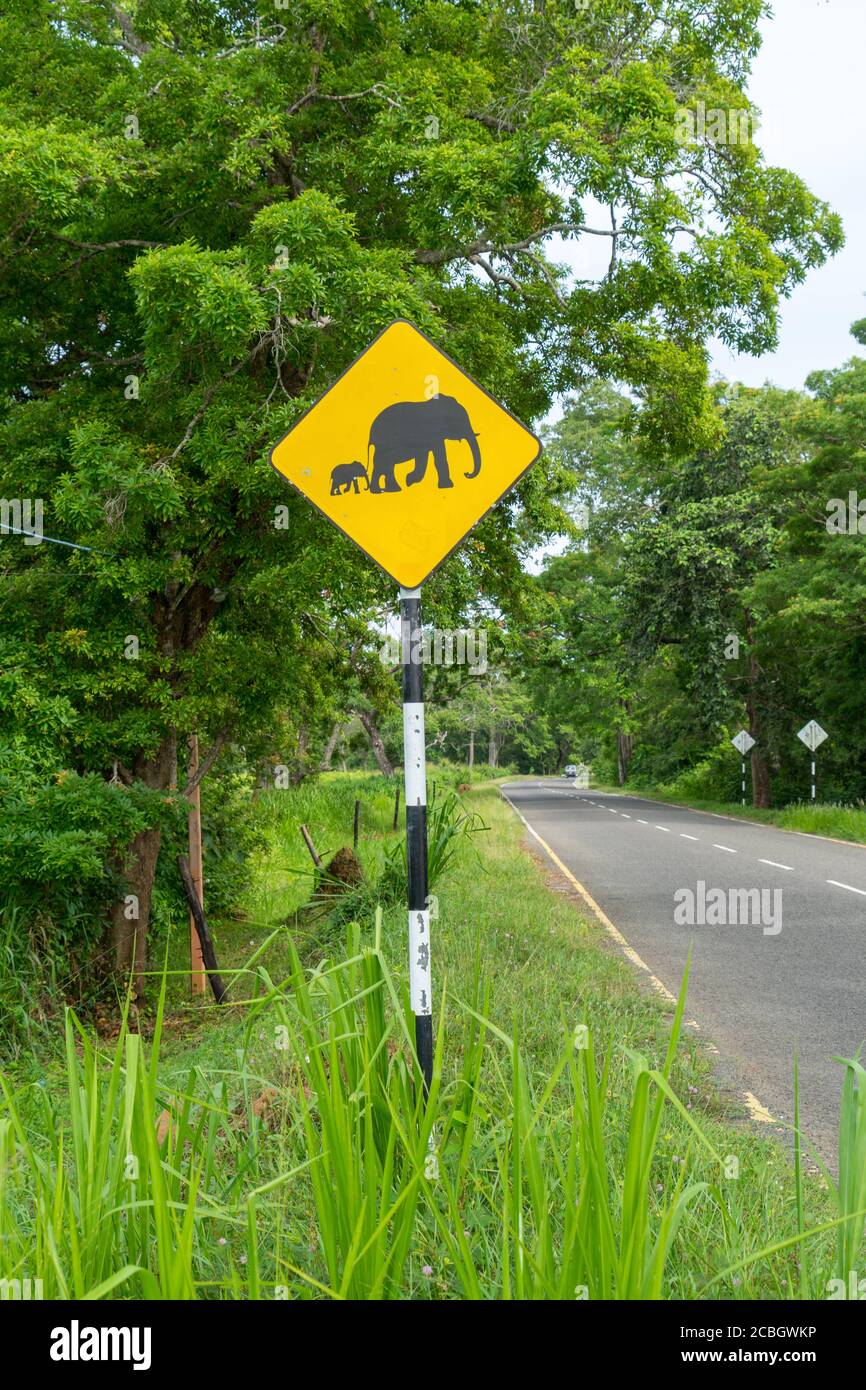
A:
(345, 477)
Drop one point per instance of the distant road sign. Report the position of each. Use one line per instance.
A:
(743, 741)
(405, 453)
(812, 735)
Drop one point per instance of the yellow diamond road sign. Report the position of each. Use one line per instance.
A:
(405, 453)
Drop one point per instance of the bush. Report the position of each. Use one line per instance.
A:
(231, 836)
(448, 774)
(60, 837)
(714, 778)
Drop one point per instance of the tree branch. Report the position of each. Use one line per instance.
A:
(255, 39)
(429, 257)
(497, 123)
(207, 762)
(109, 245)
(312, 94)
(129, 39)
(498, 277)
(613, 246)
(208, 397)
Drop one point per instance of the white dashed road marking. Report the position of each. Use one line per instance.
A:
(683, 836)
(773, 865)
(837, 884)
(726, 848)
(664, 828)
(756, 1109)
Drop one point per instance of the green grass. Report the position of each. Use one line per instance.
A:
(835, 820)
(573, 1145)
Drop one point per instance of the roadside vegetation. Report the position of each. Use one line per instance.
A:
(574, 1144)
(714, 591)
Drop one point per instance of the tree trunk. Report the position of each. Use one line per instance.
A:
(130, 920)
(300, 766)
(471, 762)
(561, 750)
(624, 745)
(330, 746)
(760, 763)
(180, 618)
(493, 749)
(377, 744)
(131, 916)
(760, 777)
(624, 750)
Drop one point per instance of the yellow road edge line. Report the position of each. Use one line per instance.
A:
(756, 1110)
(612, 931)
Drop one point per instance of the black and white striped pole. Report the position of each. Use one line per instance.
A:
(813, 736)
(743, 779)
(743, 742)
(415, 796)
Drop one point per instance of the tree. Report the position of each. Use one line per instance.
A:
(656, 611)
(693, 557)
(811, 604)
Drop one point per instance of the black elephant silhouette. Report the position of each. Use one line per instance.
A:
(414, 430)
(345, 478)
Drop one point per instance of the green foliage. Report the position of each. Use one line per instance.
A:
(63, 838)
(232, 837)
(448, 821)
(137, 1187)
(443, 773)
(714, 778)
(207, 213)
(718, 590)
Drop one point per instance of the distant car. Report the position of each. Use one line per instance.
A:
(570, 770)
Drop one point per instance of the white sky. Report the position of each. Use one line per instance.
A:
(808, 82)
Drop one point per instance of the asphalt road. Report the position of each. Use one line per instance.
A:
(773, 975)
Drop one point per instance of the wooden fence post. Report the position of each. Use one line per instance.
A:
(196, 869)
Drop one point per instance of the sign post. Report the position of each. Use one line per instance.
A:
(743, 741)
(362, 455)
(813, 736)
(415, 797)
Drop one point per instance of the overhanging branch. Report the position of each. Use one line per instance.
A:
(509, 248)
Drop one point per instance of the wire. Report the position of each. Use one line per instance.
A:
(54, 541)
